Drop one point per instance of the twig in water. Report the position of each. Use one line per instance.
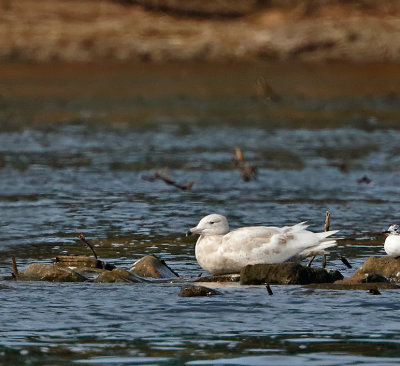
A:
(311, 260)
(14, 267)
(346, 262)
(82, 237)
(327, 225)
(247, 171)
(327, 220)
(270, 293)
(323, 261)
(163, 175)
(265, 92)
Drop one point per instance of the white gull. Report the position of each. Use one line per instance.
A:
(392, 242)
(220, 251)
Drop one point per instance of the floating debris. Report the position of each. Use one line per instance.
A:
(364, 179)
(247, 170)
(163, 175)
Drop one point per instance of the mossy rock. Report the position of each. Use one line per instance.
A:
(151, 266)
(49, 272)
(117, 275)
(287, 273)
(80, 261)
(194, 290)
(388, 267)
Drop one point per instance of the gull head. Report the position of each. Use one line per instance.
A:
(393, 230)
(213, 224)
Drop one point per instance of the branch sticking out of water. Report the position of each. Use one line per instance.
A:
(14, 267)
(163, 175)
(327, 220)
(82, 237)
(247, 171)
(346, 262)
(327, 224)
(265, 92)
(311, 260)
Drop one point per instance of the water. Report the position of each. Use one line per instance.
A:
(73, 151)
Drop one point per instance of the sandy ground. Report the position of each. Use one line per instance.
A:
(88, 30)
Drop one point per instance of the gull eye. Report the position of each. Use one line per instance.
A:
(212, 222)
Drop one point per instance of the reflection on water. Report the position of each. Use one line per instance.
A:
(75, 158)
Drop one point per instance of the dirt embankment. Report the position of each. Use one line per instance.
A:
(166, 30)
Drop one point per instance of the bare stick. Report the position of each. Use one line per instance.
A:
(82, 237)
(346, 262)
(327, 220)
(247, 171)
(327, 225)
(162, 175)
(265, 92)
(311, 260)
(323, 260)
(270, 293)
(14, 267)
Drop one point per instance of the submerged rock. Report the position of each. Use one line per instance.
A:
(151, 266)
(342, 285)
(287, 273)
(194, 290)
(117, 275)
(49, 272)
(220, 278)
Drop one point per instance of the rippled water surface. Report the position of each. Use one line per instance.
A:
(75, 143)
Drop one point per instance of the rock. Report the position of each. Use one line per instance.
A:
(151, 266)
(287, 273)
(117, 275)
(81, 261)
(220, 278)
(342, 285)
(49, 272)
(388, 267)
(193, 290)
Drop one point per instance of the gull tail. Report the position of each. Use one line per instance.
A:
(321, 246)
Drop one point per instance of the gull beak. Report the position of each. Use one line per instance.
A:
(193, 230)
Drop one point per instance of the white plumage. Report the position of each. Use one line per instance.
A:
(392, 242)
(220, 251)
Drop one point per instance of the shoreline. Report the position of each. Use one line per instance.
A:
(45, 31)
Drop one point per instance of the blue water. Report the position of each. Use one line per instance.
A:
(61, 175)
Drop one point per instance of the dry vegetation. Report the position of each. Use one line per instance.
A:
(163, 30)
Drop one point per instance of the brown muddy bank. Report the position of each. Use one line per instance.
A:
(92, 31)
(294, 95)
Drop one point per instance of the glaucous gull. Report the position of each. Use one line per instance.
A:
(220, 251)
